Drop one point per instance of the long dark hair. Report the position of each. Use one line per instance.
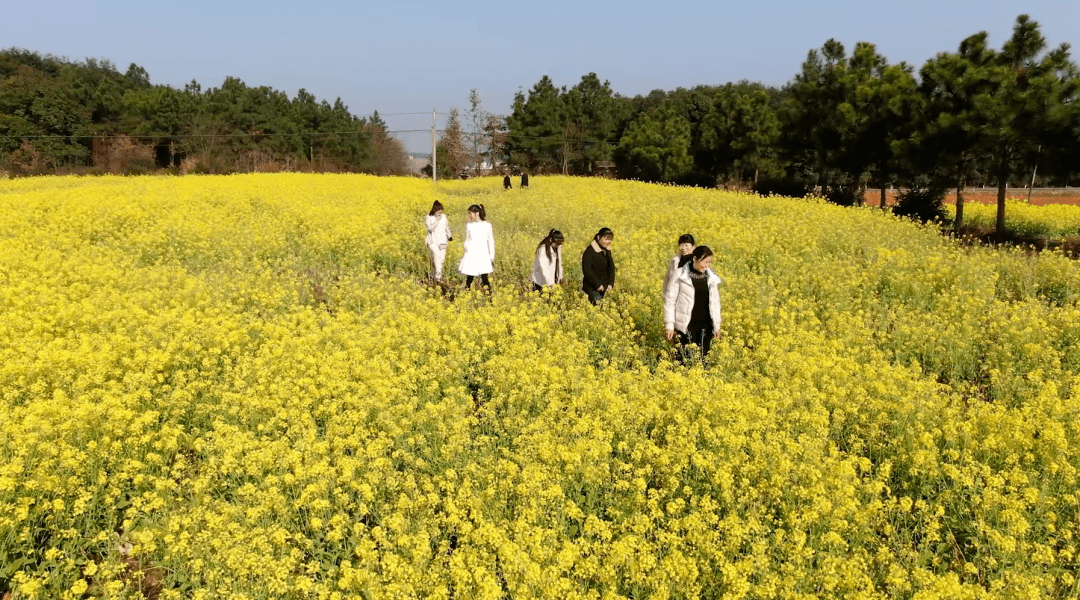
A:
(553, 236)
(603, 233)
(479, 209)
(435, 207)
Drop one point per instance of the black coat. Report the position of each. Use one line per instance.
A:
(597, 268)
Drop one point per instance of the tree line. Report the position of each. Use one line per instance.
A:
(845, 122)
(58, 115)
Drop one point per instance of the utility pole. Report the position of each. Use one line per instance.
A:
(433, 146)
(1033, 172)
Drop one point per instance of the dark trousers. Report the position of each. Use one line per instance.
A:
(698, 334)
(594, 295)
(483, 280)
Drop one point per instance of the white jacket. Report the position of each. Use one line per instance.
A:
(544, 270)
(679, 299)
(673, 267)
(438, 230)
(479, 256)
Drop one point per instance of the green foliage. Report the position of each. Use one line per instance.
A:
(844, 114)
(536, 127)
(740, 132)
(845, 122)
(943, 146)
(788, 186)
(51, 109)
(1019, 105)
(451, 154)
(37, 109)
(567, 131)
(656, 148)
(593, 114)
(923, 204)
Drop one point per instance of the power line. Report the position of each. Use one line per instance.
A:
(301, 134)
(207, 135)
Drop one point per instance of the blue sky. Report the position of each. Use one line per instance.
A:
(410, 56)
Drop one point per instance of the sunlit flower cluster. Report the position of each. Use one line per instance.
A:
(246, 387)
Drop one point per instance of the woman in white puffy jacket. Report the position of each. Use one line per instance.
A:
(438, 236)
(692, 303)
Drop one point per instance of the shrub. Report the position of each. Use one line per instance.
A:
(783, 186)
(923, 204)
(844, 195)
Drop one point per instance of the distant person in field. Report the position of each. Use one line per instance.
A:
(506, 182)
(597, 266)
(438, 236)
(547, 266)
(692, 304)
(686, 247)
(524, 181)
(479, 259)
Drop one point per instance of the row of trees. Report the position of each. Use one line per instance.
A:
(843, 123)
(57, 114)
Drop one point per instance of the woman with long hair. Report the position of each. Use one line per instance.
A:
(547, 266)
(692, 304)
(479, 259)
(438, 236)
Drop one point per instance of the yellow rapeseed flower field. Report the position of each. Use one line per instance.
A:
(1026, 220)
(244, 387)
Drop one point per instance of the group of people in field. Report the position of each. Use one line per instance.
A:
(691, 288)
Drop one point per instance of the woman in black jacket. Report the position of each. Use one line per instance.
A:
(597, 266)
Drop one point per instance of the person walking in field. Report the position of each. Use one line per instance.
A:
(686, 247)
(598, 267)
(524, 181)
(547, 266)
(692, 304)
(506, 182)
(479, 259)
(438, 236)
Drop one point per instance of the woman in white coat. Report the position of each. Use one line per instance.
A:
(547, 266)
(438, 236)
(692, 304)
(479, 259)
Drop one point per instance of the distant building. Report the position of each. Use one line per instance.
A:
(416, 164)
(606, 168)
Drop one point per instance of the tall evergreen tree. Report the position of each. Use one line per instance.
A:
(740, 132)
(843, 115)
(593, 113)
(453, 157)
(944, 145)
(656, 147)
(536, 128)
(1015, 112)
